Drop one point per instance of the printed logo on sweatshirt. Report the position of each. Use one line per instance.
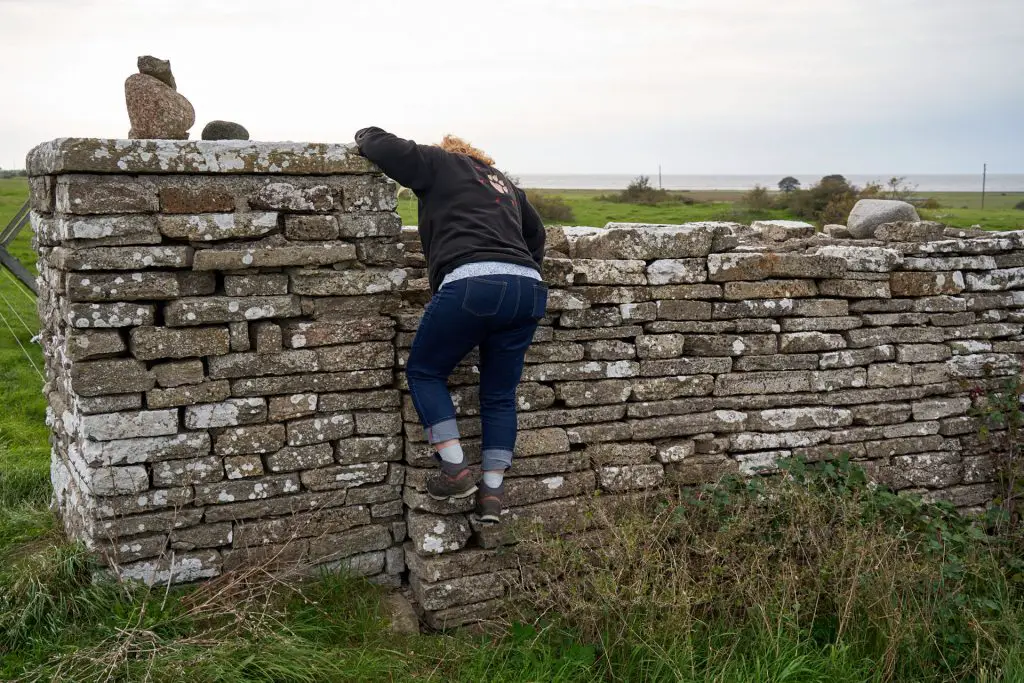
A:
(498, 183)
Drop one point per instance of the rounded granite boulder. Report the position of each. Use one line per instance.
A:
(225, 130)
(156, 111)
(868, 214)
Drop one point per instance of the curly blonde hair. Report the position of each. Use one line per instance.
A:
(456, 145)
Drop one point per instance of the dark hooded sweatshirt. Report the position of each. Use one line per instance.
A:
(469, 211)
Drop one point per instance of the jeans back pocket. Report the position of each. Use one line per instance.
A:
(483, 297)
(540, 300)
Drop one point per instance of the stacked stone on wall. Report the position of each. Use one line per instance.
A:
(674, 355)
(216, 319)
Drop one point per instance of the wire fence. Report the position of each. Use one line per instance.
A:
(18, 282)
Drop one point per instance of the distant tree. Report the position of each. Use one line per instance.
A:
(899, 188)
(834, 179)
(789, 184)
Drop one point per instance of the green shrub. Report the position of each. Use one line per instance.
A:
(757, 199)
(1019, 205)
(829, 200)
(639, 191)
(551, 207)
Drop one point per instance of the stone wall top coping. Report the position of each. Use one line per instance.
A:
(98, 155)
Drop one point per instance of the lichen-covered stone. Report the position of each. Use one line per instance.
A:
(89, 344)
(362, 225)
(864, 259)
(676, 271)
(729, 267)
(92, 155)
(243, 466)
(188, 471)
(274, 255)
(805, 342)
(347, 282)
(247, 489)
(646, 241)
(909, 231)
(265, 438)
(926, 284)
(178, 373)
(311, 227)
(220, 309)
(318, 429)
(282, 196)
(995, 280)
(229, 413)
(263, 284)
(100, 194)
(344, 476)
(188, 395)
(150, 343)
(183, 195)
(770, 289)
(117, 230)
(659, 346)
(762, 383)
(686, 425)
(138, 450)
(630, 477)
(437, 534)
(121, 258)
(593, 392)
(855, 289)
(210, 227)
(129, 425)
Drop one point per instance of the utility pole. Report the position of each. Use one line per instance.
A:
(659, 176)
(984, 173)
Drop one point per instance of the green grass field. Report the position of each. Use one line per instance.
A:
(960, 621)
(959, 209)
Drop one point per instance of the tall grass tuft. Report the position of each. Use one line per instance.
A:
(815, 575)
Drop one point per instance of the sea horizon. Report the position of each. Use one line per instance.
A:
(922, 182)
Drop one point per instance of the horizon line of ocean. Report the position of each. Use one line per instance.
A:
(937, 182)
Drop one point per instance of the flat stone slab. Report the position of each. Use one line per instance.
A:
(98, 155)
(647, 241)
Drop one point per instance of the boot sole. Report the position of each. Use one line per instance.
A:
(454, 496)
(488, 519)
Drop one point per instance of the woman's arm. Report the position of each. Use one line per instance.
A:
(533, 228)
(403, 160)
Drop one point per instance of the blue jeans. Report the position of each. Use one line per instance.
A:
(499, 314)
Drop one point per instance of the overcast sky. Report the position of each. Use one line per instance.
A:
(551, 86)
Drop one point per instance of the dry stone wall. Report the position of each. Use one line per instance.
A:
(216, 322)
(225, 325)
(673, 355)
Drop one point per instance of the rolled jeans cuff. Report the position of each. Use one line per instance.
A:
(445, 430)
(496, 459)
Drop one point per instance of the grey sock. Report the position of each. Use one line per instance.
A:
(453, 460)
(493, 480)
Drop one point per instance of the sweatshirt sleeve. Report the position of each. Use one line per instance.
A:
(403, 160)
(533, 229)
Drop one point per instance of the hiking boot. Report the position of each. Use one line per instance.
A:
(442, 485)
(488, 503)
